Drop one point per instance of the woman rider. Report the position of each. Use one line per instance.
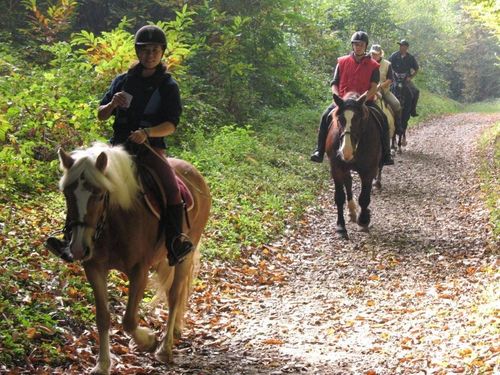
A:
(153, 113)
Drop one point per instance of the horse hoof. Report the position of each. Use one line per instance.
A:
(364, 228)
(400, 151)
(377, 185)
(342, 233)
(164, 357)
(144, 339)
(98, 370)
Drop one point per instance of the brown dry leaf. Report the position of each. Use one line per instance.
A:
(273, 342)
(446, 296)
(32, 333)
(465, 352)
(371, 372)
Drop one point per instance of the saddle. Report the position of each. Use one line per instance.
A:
(153, 194)
(378, 115)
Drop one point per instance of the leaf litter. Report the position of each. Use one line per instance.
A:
(416, 295)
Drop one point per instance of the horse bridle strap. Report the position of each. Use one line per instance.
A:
(98, 229)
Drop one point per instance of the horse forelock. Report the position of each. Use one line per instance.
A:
(118, 177)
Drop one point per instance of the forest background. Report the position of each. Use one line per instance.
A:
(254, 78)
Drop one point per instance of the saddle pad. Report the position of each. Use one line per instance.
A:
(152, 200)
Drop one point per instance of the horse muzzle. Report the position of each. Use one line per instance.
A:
(81, 244)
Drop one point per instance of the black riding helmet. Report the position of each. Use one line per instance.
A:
(359, 36)
(150, 34)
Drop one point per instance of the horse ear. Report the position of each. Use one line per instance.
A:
(101, 162)
(66, 160)
(338, 100)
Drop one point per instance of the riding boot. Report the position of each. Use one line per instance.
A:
(416, 94)
(397, 122)
(319, 152)
(386, 144)
(60, 248)
(177, 243)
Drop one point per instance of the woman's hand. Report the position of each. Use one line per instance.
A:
(120, 100)
(139, 136)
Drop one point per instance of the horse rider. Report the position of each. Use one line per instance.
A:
(385, 69)
(403, 62)
(355, 72)
(146, 105)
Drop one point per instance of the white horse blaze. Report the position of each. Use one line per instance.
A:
(346, 149)
(82, 197)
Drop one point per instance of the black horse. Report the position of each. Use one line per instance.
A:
(353, 143)
(400, 89)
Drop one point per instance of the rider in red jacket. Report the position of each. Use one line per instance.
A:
(356, 72)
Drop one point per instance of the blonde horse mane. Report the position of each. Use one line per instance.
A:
(119, 177)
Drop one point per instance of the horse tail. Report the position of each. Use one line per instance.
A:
(163, 279)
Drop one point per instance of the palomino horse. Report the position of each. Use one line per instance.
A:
(112, 228)
(392, 134)
(353, 143)
(399, 88)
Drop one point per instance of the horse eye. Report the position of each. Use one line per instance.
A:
(98, 196)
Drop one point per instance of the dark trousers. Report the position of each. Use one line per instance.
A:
(326, 120)
(415, 93)
(159, 163)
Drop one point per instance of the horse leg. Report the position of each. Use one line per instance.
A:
(378, 179)
(144, 338)
(339, 202)
(364, 202)
(97, 279)
(351, 204)
(177, 296)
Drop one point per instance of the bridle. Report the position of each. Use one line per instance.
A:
(98, 228)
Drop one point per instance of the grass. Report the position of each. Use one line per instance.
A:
(492, 106)
(431, 105)
(489, 172)
(260, 177)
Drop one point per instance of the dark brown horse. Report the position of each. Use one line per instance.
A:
(400, 89)
(353, 143)
(112, 228)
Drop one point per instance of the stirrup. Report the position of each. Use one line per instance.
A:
(177, 254)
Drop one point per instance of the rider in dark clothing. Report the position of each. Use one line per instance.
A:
(153, 113)
(404, 62)
(356, 72)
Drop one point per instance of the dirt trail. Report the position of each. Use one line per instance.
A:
(413, 296)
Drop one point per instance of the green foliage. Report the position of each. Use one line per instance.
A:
(492, 106)
(259, 178)
(109, 54)
(430, 105)
(490, 175)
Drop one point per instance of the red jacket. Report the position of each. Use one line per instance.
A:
(354, 76)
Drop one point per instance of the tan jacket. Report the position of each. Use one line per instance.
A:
(384, 68)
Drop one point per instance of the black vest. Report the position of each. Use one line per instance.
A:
(144, 108)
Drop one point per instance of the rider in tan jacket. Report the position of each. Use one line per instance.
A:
(385, 69)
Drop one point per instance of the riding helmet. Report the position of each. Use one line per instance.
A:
(150, 34)
(359, 36)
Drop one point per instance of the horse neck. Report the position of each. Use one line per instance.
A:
(130, 237)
